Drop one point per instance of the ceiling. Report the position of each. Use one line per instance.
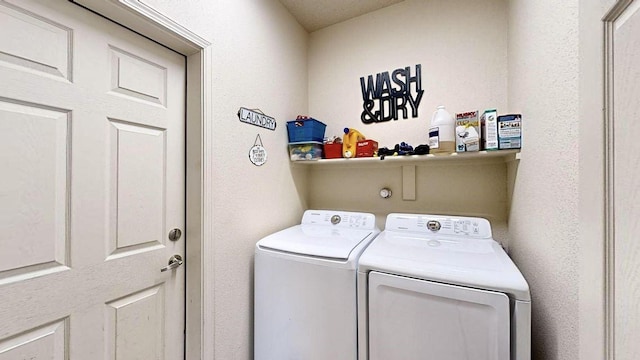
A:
(317, 14)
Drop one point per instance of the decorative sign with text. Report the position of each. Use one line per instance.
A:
(257, 153)
(257, 118)
(389, 95)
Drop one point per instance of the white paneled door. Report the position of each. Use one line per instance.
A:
(91, 185)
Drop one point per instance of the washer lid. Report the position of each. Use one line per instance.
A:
(472, 262)
(317, 240)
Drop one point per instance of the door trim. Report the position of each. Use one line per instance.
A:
(609, 20)
(145, 20)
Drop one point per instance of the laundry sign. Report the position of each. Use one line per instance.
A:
(256, 117)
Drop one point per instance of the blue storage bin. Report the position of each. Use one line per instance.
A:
(305, 130)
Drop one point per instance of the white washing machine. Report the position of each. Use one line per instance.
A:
(305, 287)
(439, 287)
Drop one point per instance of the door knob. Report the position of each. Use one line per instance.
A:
(174, 262)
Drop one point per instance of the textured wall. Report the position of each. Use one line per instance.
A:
(455, 188)
(462, 47)
(259, 59)
(543, 222)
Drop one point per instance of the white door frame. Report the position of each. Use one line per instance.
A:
(143, 19)
(616, 12)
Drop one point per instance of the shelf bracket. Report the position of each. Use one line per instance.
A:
(408, 182)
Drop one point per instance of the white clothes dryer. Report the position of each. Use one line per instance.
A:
(305, 287)
(439, 287)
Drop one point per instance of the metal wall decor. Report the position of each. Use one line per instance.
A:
(389, 95)
(257, 153)
(256, 117)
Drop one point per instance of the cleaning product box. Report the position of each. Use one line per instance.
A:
(489, 124)
(467, 131)
(366, 148)
(510, 131)
(309, 150)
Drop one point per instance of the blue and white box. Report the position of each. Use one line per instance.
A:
(510, 131)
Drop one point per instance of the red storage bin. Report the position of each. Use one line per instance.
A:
(332, 151)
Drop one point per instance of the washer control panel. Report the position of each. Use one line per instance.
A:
(340, 219)
(440, 225)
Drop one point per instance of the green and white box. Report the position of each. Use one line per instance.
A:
(489, 123)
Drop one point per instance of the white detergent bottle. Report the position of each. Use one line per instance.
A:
(441, 133)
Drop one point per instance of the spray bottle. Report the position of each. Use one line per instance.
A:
(441, 133)
(349, 142)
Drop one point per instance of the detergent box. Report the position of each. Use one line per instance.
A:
(489, 124)
(467, 131)
(366, 148)
(510, 131)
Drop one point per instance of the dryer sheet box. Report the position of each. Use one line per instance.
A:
(467, 131)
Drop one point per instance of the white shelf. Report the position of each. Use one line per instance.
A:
(481, 156)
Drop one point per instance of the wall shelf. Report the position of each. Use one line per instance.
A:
(481, 156)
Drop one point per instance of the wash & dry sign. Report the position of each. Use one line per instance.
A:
(391, 95)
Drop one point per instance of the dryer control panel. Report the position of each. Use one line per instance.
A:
(441, 225)
(340, 219)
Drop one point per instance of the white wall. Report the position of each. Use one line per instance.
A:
(460, 188)
(259, 60)
(543, 222)
(539, 61)
(462, 48)
(461, 45)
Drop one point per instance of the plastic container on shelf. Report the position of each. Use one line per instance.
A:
(442, 132)
(306, 150)
(308, 129)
